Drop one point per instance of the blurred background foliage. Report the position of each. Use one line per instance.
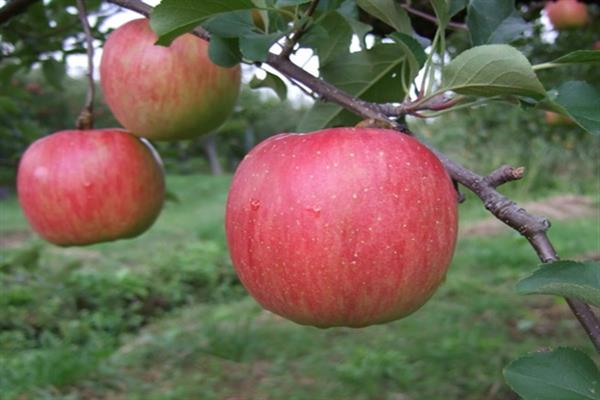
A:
(164, 317)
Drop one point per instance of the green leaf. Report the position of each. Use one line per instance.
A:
(271, 81)
(457, 6)
(580, 280)
(578, 100)
(231, 24)
(388, 11)
(415, 54)
(287, 3)
(255, 46)
(373, 75)
(330, 38)
(441, 8)
(224, 51)
(562, 374)
(54, 72)
(492, 70)
(575, 57)
(172, 18)
(494, 21)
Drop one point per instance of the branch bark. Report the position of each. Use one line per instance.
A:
(532, 227)
(14, 8)
(86, 116)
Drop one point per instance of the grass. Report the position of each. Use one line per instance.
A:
(163, 317)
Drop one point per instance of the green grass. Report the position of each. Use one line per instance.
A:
(163, 317)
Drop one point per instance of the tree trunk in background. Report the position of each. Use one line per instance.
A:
(210, 149)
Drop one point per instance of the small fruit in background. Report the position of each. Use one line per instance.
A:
(553, 118)
(566, 14)
(597, 45)
(165, 93)
(90, 186)
(341, 227)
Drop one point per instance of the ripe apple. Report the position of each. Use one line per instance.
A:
(597, 45)
(341, 227)
(84, 187)
(553, 118)
(565, 14)
(165, 93)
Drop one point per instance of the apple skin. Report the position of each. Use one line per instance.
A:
(91, 186)
(341, 227)
(553, 118)
(566, 14)
(165, 93)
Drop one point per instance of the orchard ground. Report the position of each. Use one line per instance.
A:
(163, 316)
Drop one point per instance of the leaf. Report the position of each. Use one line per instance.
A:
(562, 374)
(255, 46)
(54, 72)
(373, 75)
(287, 3)
(388, 11)
(580, 280)
(414, 52)
(578, 100)
(224, 51)
(172, 18)
(494, 21)
(330, 38)
(575, 57)
(457, 6)
(231, 24)
(441, 9)
(273, 82)
(492, 70)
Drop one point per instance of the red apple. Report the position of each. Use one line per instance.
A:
(553, 118)
(597, 45)
(165, 93)
(84, 187)
(341, 227)
(565, 14)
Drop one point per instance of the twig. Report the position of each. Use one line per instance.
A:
(86, 116)
(532, 227)
(14, 8)
(453, 25)
(299, 31)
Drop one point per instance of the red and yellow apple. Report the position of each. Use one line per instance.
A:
(566, 14)
(341, 227)
(165, 93)
(84, 187)
(553, 118)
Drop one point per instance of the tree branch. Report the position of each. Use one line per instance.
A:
(14, 8)
(453, 25)
(86, 116)
(299, 31)
(532, 227)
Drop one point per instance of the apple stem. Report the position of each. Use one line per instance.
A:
(532, 227)
(85, 120)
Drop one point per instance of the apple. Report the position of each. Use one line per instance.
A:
(165, 93)
(565, 14)
(90, 186)
(597, 45)
(341, 227)
(553, 118)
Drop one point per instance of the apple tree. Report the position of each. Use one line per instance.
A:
(381, 61)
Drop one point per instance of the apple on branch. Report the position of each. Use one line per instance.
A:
(88, 186)
(165, 93)
(341, 227)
